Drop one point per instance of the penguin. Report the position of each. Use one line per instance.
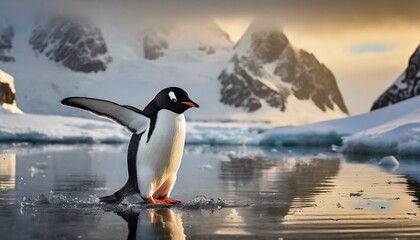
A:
(156, 145)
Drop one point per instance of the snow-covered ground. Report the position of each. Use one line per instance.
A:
(393, 130)
(400, 136)
(59, 129)
(50, 128)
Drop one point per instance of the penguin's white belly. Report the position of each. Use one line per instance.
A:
(158, 160)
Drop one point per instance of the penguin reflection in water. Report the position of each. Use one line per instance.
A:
(156, 146)
(154, 224)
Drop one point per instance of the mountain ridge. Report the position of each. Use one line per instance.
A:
(406, 86)
(266, 60)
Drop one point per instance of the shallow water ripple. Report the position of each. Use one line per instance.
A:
(227, 192)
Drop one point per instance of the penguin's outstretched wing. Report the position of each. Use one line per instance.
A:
(135, 120)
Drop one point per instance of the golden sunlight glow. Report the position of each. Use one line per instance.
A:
(235, 27)
(7, 171)
(376, 194)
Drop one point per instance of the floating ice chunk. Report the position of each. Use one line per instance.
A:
(41, 165)
(389, 162)
(205, 167)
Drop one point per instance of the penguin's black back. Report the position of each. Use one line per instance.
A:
(131, 187)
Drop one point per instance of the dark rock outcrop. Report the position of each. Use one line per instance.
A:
(240, 89)
(6, 94)
(207, 49)
(154, 45)
(266, 68)
(6, 37)
(76, 43)
(407, 86)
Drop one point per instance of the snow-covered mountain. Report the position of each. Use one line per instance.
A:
(267, 70)
(130, 60)
(75, 42)
(405, 87)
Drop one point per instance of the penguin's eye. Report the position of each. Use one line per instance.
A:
(172, 96)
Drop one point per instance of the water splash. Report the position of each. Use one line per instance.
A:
(92, 202)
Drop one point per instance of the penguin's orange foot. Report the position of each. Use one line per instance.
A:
(168, 200)
(164, 200)
(151, 200)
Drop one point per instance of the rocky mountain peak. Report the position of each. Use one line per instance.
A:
(155, 42)
(267, 70)
(268, 45)
(75, 42)
(6, 37)
(405, 87)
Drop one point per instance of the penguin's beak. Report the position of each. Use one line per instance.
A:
(191, 104)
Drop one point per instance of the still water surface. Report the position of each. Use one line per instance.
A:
(51, 191)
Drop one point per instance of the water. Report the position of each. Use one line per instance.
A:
(51, 191)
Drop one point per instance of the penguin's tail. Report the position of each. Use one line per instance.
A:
(110, 199)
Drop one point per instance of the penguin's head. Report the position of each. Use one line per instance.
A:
(174, 99)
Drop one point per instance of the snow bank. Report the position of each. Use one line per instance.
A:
(332, 132)
(60, 129)
(49, 128)
(400, 136)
